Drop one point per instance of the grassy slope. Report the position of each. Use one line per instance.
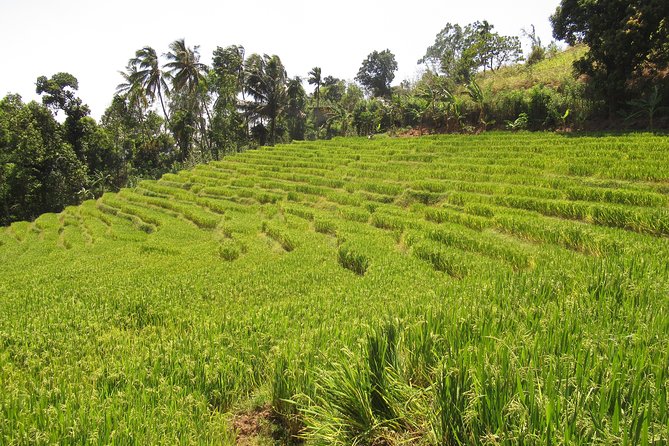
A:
(552, 72)
(526, 273)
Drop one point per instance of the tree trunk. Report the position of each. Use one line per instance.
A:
(162, 104)
(272, 128)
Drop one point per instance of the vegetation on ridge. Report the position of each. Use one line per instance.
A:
(172, 110)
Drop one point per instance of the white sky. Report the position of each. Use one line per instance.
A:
(93, 39)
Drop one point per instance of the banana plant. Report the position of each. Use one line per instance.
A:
(474, 91)
(648, 106)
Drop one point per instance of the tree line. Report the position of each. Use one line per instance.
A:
(170, 110)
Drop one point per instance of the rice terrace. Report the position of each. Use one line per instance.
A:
(503, 288)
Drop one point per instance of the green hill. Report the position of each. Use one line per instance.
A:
(555, 72)
(500, 288)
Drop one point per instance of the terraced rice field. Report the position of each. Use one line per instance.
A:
(492, 289)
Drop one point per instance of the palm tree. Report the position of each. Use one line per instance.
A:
(188, 78)
(266, 84)
(148, 73)
(184, 67)
(339, 114)
(239, 53)
(133, 91)
(297, 99)
(315, 79)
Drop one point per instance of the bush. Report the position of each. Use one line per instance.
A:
(542, 111)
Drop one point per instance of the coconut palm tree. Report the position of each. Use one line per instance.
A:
(266, 83)
(184, 67)
(188, 78)
(297, 99)
(150, 76)
(315, 79)
(133, 91)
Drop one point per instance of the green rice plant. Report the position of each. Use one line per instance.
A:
(449, 423)
(176, 180)
(20, 230)
(299, 211)
(285, 388)
(310, 190)
(279, 235)
(165, 190)
(229, 250)
(431, 186)
(362, 401)
(189, 211)
(569, 236)
(447, 215)
(352, 259)
(353, 214)
(342, 414)
(479, 209)
(441, 259)
(325, 226)
(487, 245)
(139, 218)
(655, 221)
(633, 198)
(381, 188)
(555, 208)
(379, 198)
(424, 197)
(389, 222)
(218, 192)
(122, 322)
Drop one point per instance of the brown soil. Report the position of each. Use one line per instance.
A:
(419, 131)
(253, 424)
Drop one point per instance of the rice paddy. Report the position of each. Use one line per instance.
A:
(494, 289)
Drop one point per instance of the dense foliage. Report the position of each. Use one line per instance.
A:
(505, 288)
(172, 111)
(46, 165)
(628, 41)
(460, 52)
(377, 72)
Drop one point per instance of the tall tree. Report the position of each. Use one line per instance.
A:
(148, 74)
(377, 72)
(447, 51)
(491, 50)
(39, 171)
(459, 52)
(228, 66)
(297, 100)
(132, 90)
(333, 89)
(624, 37)
(188, 78)
(537, 50)
(229, 130)
(266, 84)
(315, 79)
(59, 93)
(149, 151)
(90, 143)
(186, 71)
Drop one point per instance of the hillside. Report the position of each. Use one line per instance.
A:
(506, 287)
(554, 72)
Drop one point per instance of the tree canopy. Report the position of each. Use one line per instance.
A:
(624, 37)
(39, 171)
(459, 52)
(377, 72)
(172, 111)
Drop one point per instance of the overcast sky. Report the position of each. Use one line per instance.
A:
(94, 39)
